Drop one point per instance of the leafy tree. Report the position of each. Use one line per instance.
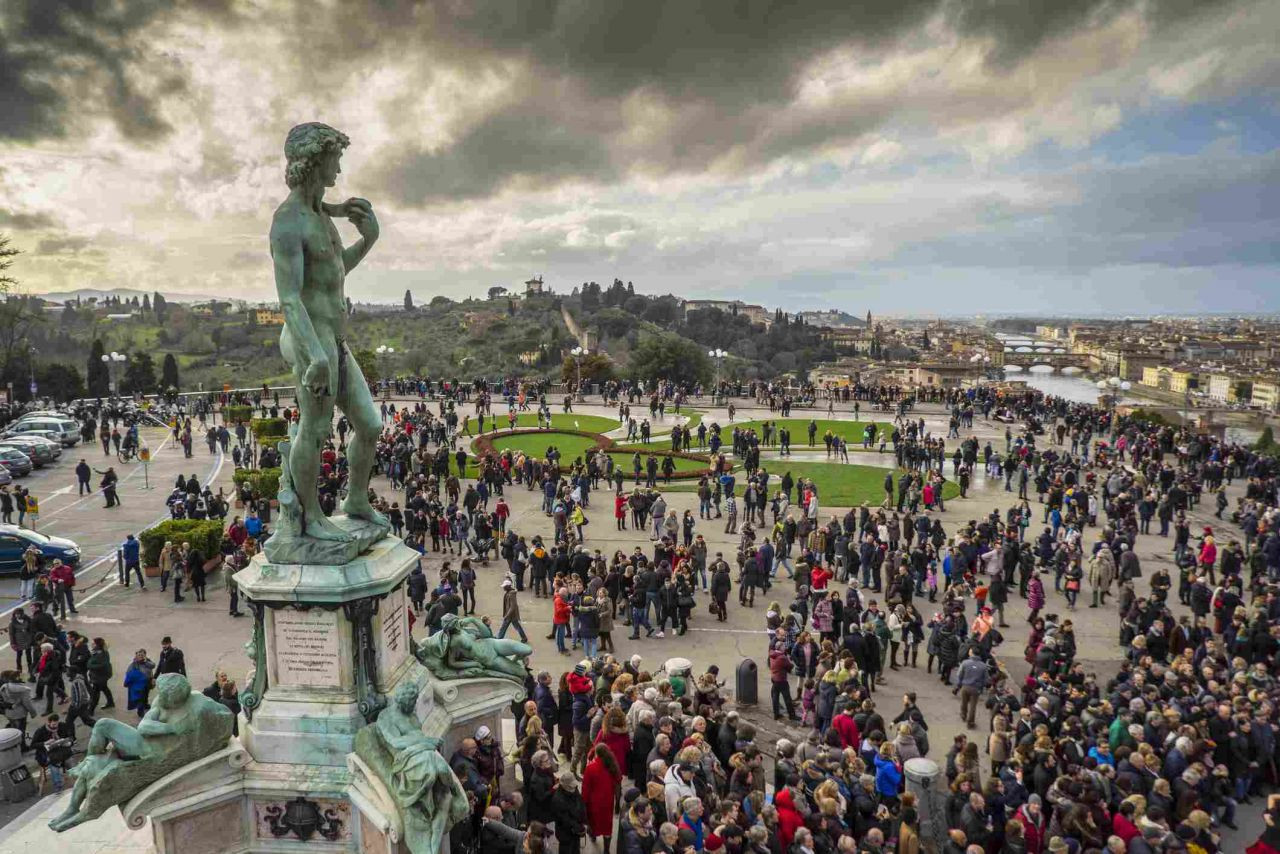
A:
(596, 367)
(784, 362)
(440, 300)
(146, 302)
(98, 373)
(61, 382)
(169, 373)
(408, 300)
(158, 305)
(590, 296)
(670, 357)
(18, 318)
(368, 362)
(614, 322)
(139, 375)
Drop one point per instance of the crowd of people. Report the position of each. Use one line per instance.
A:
(1152, 759)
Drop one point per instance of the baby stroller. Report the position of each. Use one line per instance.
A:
(482, 548)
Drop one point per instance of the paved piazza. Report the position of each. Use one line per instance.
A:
(213, 640)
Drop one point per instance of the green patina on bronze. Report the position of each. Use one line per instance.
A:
(410, 765)
(182, 726)
(310, 270)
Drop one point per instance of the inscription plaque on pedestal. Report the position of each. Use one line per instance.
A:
(393, 640)
(306, 646)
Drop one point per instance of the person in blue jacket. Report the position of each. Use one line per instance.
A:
(131, 552)
(137, 681)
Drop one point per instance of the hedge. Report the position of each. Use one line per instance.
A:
(269, 431)
(236, 413)
(265, 481)
(484, 445)
(205, 536)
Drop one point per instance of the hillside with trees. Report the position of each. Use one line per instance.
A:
(168, 345)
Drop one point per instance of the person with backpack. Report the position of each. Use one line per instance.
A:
(79, 700)
(17, 702)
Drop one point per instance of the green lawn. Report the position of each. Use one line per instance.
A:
(570, 445)
(841, 485)
(851, 431)
(559, 420)
(623, 459)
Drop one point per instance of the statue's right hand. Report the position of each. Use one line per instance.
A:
(316, 377)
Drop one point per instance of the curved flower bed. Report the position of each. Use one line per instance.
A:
(484, 444)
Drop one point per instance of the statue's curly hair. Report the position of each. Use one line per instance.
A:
(305, 145)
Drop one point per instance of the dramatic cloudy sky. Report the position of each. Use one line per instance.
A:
(899, 155)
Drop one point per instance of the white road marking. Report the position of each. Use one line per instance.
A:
(111, 582)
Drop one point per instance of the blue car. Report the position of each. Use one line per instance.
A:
(15, 541)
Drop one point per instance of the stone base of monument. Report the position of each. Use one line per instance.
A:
(330, 643)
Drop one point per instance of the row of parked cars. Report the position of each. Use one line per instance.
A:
(35, 440)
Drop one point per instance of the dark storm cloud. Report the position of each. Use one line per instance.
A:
(21, 221)
(1017, 27)
(60, 58)
(503, 147)
(61, 245)
(718, 72)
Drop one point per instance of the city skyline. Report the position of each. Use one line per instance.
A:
(921, 158)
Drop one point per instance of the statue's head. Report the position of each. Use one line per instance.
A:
(310, 147)
(406, 697)
(449, 623)
(172, 690)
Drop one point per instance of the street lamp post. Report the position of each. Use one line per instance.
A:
(31, 365)
(111, 360)
(384, 353)
(718, 355)
(578, 353)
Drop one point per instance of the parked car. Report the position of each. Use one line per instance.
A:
(15, 463)
(15, 541)
(41, 451)
(64, 430)
(50, 441)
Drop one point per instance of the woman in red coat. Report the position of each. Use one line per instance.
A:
(600, 784)
(614, 735)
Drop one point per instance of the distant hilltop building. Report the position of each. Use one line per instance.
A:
(268, 317)
(754, 313)
(535, 286)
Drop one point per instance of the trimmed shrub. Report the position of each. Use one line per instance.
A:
(237, 413)
(205, 536)
(265, 481)
(269, 431)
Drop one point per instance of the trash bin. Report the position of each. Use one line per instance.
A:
(746, 689)
(922, 776)
(15, 779)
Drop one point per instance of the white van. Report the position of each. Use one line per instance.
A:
(67, 429)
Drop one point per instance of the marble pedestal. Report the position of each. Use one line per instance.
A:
(330, 645)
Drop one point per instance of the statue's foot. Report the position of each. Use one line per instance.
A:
(360, 508)
(66, 822)
(320, 528)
